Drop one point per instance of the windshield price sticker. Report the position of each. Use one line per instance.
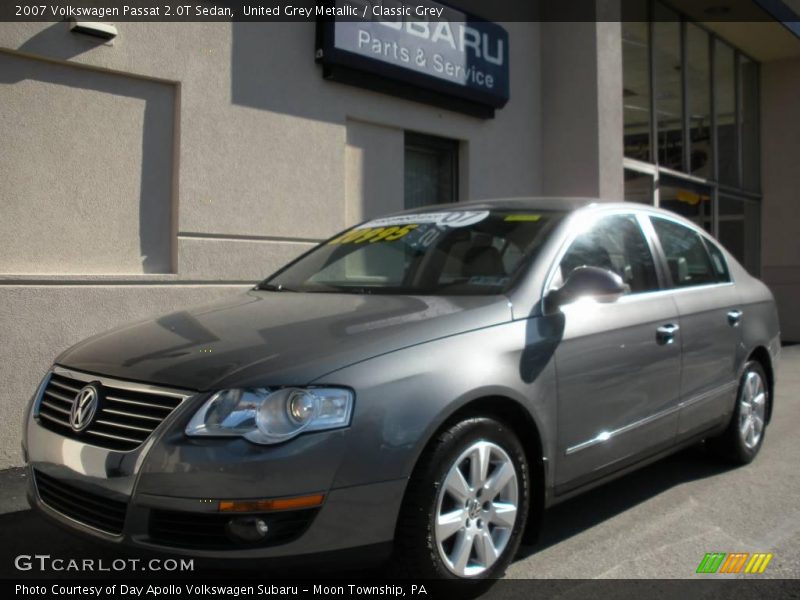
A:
(374, 234)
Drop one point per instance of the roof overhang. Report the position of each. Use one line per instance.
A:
(764, 29)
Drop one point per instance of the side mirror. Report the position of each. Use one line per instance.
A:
(594, 282)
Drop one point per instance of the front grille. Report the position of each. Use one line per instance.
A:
(124, 419)
(76, 503)
(207, 530)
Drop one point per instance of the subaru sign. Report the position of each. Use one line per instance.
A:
(418, 49)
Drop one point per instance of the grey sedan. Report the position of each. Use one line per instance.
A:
(422, 385)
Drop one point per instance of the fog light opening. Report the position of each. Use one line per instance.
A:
(247, 529)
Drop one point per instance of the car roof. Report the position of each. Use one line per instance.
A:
(553, 203)
(558, 203)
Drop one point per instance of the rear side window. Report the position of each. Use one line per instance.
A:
(688, 260)
(718, 262)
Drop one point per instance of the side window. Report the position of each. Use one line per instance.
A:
(687, 258)
(615, 243)
(718, 262)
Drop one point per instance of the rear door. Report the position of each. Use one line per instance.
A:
(709, 316)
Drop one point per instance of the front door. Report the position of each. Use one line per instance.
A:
(618, 364)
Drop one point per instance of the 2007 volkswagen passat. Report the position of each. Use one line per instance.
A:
(424, 384)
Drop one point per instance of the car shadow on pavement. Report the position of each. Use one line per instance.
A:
(595, 506)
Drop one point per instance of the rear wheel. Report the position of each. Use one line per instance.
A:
(466, 504)
(742, 440)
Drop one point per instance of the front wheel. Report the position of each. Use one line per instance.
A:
(742, 440)
(466, 504)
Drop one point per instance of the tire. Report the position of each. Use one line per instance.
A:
(484, 523)
(743, 438)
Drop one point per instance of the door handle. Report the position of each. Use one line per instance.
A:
(666, 333)
(734, 317)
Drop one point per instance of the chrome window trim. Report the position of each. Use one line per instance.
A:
(642, 295)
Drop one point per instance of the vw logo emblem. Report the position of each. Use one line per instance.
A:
(83, 408)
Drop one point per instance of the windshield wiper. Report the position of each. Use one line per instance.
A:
(271, 287)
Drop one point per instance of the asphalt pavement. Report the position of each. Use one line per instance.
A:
(657, 523)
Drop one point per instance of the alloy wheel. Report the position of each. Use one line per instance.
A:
(752, 409)
(476, 509)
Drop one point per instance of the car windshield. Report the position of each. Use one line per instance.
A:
(453, 252)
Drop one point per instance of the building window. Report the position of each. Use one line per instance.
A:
(638, 187)
(691, 125)
(698, 84)
(739, 227)
(636, 89)
(748, 123)
(689, 199)
(672, 69)
(431, 170)
(725, 108)
(668, 90)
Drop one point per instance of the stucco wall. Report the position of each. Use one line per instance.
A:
(185, 161)
(780, 218)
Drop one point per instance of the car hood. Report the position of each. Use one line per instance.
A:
(263, 338)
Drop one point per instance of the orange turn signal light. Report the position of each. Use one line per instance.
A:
(270, 505)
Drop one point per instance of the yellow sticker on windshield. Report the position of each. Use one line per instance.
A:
(374, 234)
(523, 218)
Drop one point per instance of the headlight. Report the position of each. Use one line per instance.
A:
(271, 416)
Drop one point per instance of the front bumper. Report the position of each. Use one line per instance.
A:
(163, 496)
(350, 518)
